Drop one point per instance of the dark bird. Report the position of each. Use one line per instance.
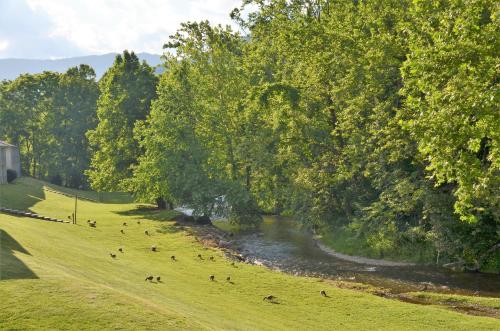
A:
(88, 221)
(113, 255)
(124, 223)
(120, 250)
(173, 258)
(228, 278)
(122, 231)
(212, 278)
(138, 222)
(269, 298)
(153, 248)
(211, 258)
(158, 279)
(200, 257)
(323, 293)
(150, 278)
(146, 233)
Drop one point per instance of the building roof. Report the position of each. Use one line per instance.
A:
(6, 144)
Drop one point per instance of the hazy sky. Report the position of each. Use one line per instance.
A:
(64, 28)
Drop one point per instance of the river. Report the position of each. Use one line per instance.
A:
(281, 244)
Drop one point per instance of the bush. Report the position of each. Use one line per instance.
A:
(11, 175)
(56, 180)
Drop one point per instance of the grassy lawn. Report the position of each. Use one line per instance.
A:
(61, 276)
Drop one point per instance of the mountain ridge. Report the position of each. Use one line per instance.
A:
(11, 68)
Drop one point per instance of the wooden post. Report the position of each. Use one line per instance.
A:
(76, 202)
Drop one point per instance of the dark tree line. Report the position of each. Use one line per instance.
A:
(47, 115)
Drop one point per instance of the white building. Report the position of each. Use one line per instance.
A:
(9, 159)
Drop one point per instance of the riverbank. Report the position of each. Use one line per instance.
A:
(421, 294)
(361, 259)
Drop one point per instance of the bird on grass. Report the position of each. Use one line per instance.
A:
(323, 293)
(173, 258)
(150, 278)
(113, 255)
(269, 298)
(212, 278)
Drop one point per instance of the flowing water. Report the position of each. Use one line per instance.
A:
(281, 244)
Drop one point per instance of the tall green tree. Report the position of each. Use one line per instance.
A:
(75, 104)
(192, 139)
(452, 112)
(126, 92)
(27, 103)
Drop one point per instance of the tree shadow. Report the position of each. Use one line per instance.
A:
(10, 266)
(148, 212)
(22, 194)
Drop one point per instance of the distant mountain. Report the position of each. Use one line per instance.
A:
(12, 68)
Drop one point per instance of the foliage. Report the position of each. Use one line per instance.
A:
(47, 116)
(192, 140)
(126, 92)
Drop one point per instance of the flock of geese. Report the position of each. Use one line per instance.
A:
(150, 278)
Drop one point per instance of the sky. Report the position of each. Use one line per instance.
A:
(50, 29)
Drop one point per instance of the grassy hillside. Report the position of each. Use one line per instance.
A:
(61, 276)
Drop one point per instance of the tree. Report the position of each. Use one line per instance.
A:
(126, 92)
(192, 137)
(47, 115)
(26, 103)
(75, 102)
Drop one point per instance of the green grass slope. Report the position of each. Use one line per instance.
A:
(61, 276)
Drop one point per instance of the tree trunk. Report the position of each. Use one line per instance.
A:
(161, 203)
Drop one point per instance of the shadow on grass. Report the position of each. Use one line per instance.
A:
(150, 213)
(10, 266)
(22, 194)
(98, 197)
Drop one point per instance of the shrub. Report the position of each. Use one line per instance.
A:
(56, 180)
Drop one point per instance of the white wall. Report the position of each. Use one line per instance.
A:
(3, 165)
(13, 159)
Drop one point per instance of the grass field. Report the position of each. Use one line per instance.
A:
(61, 276)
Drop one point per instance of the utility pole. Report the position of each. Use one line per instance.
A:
(74, 214)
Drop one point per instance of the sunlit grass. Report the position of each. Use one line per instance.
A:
(61, 276)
